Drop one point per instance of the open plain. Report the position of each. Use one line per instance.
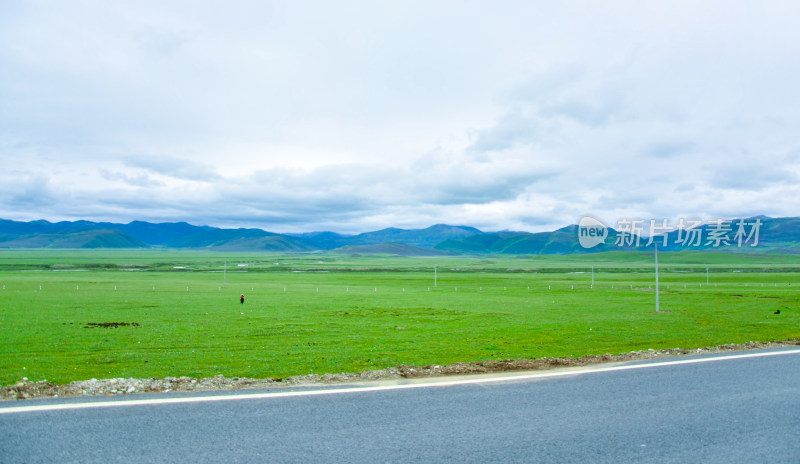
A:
(80, 315)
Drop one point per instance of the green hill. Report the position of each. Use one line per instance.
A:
(277, 243)
(780, 235)
(427, 237)
(100, 238)
(239, 239)
(395, 249)
(560, 242)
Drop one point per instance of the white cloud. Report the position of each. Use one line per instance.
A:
(353, 116)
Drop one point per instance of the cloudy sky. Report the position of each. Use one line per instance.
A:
(355, 116)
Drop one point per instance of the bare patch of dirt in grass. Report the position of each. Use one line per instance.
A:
(26, 389)
(110, 325)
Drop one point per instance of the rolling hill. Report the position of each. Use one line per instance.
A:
(559, 242)
(394, 249)
(773, 234)
(96, 238)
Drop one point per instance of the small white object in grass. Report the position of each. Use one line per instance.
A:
(241, 313)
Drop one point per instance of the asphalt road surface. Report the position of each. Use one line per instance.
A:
(744, 408)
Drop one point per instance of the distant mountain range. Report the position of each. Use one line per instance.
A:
(773, 235)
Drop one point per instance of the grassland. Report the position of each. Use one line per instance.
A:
(317, 313)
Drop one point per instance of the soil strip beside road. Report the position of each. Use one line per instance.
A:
(26, 389)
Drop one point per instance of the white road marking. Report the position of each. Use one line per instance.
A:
(340, 391)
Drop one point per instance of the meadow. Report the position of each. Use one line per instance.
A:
(178, 312)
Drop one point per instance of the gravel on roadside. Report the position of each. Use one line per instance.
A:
(26, 389)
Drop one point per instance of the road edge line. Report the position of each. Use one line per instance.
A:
(339, 391)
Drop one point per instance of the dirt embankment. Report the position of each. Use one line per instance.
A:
(26, 389)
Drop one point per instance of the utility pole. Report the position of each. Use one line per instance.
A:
(656, 244)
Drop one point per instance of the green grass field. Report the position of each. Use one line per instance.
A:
(318, 313)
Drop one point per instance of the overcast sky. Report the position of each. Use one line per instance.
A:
(355, 116)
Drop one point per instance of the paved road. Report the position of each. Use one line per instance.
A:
(736, 410)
